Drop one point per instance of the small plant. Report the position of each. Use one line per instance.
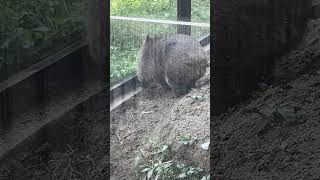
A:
(187, 140)
(154, 163)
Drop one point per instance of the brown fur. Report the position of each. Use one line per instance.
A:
(176, 61)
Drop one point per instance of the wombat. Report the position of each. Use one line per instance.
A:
(175, 62)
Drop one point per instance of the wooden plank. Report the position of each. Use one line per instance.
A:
(41, 65)
(33, 122)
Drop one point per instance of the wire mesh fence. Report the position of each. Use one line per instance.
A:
(127, 35)
(164, 9)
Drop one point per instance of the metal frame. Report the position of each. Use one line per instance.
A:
(158, 21)
(184, 14)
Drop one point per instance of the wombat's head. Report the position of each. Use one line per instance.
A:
(146, 60)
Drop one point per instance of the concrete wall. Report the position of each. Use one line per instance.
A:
(248, 34)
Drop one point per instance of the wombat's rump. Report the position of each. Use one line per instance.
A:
(176, 61)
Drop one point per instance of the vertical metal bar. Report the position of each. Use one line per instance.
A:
(5, 109)
(184, 14)
(97, 37)
(106, 38)
(42, 78)
(103, 26)
(5, 98)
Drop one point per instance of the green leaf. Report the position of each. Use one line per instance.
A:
(157, 177)
(167, 164)
(145, 170)
(198, 98)
(137, 160)
(150, 174)
(5, 45)
(164, 147)
(27, 44)
(183, 175)
(204, 178)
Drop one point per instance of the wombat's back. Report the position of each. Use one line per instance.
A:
(186, 62)
(176, 61)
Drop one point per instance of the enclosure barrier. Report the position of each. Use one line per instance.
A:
(45, 91)
(184, 14)
(248, 35)
(158, 21)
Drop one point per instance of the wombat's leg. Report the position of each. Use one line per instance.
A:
(144, 84)
(178, 89)
(181, 90)
(164, 84)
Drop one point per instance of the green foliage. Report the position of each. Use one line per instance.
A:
(126, 37)
(154, 163)
(159, 9)
(164, 9)
(123, 61)
(187, 140)
(29, 27)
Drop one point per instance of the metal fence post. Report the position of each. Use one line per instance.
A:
(184, 14)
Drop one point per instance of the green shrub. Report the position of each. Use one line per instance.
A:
(29, 27)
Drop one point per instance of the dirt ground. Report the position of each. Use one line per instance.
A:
(275, 134)
(83, 152)
(74, 149)
(158, 114)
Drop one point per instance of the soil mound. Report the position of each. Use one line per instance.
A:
(275, 134)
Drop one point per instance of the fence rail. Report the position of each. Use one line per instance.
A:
(159, 21)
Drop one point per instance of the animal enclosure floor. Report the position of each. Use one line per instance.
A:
(158, 114)
(275, 134)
